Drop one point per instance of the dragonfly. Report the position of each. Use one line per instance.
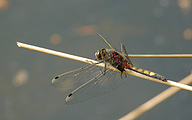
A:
(91, 80)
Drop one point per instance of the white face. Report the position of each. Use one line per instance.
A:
(97, 55)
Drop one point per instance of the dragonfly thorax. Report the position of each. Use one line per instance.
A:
(113, 57)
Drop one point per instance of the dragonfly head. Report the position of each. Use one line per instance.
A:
(100, 54)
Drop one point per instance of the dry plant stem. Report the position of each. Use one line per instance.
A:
(90, 61)
(56, 53)
(163, 56)
(155, 101)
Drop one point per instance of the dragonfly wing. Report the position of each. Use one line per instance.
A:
(101, 84)
(124, 53)
(108, 43)
(75, 78)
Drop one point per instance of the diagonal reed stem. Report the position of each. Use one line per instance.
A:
(155, 100)
(90, 61)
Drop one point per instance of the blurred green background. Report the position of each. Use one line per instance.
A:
(71, 26)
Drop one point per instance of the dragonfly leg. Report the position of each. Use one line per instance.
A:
(97, 62)
(104, 71)
(125, 75)
(122, 75)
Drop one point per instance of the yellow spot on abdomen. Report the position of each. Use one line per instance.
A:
(134, 68)
(151, 73)
(139, 70)
(146, 72)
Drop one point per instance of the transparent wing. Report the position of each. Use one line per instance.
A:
(100, 84)
(124, 53)
(76, 78)
(108, 43)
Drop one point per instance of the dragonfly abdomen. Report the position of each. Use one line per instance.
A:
(148, 73)
(119, 62)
